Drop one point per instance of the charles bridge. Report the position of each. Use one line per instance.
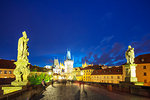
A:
(73, 91)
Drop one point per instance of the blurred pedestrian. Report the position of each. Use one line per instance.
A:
(52, 82)
(43, 84)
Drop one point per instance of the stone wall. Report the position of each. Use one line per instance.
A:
(6, 80)
(27, 93)
(131, 89)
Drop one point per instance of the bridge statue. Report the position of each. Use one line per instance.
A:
(22, 65)
(130, 55)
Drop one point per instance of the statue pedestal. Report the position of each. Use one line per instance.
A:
(130, 70)
(10, 89)
(130, 77)
(22, 83)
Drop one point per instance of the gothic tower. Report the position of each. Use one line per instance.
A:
(68, 63)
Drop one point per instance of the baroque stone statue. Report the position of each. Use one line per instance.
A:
(22, 65)
(23, 48)
(130, 55)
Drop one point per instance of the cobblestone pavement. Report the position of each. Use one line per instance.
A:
(73, 92)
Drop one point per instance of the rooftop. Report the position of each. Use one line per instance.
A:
(145, 58)
(110, 71)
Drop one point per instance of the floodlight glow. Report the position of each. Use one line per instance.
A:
(60, 78)
(50, 73)
(81, 73)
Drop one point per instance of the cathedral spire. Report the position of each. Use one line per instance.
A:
(68, 55)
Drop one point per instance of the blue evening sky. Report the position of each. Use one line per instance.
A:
(98, 32)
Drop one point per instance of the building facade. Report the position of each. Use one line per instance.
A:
(143, 69)
(6, 68)
(108, 75)
(87, 71)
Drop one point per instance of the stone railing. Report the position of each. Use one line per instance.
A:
(27, 93)
(131, 89)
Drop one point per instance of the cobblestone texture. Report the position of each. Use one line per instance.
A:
(73, 92)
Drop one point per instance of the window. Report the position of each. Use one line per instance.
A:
(144, 67)
(10, 72)
(145, 81)
(112, 77)
(5, 72)
(0, 72)
(144, 73)
(142, 60)
(118, 77)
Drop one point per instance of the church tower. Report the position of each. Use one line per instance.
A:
(68, 63)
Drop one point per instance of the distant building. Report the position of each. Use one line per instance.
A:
(56, 68)
(68, 63)
(77, 74)
(84, 65)
(87, 71)
(108, 75)
(69, 66)
(48, 67)
(6, 68)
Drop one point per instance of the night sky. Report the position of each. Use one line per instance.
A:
(98, 32)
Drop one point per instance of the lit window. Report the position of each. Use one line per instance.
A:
(144, 67)
(10, 72)
(142, 60)
(0, 72)
(112, 77)
(144, 73)
(5, 72)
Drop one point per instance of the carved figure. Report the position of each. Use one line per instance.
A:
(23, 48)
(130, 55)
(22, 65)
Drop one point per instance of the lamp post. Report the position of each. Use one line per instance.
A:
(82, 73)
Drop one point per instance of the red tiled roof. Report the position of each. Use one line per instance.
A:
(108, 71)
(7, 64)
(92, 67)
(145, 58)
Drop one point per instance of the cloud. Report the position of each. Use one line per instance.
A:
(142, 46)
(116, 55)
(106, 57)
(104, 41)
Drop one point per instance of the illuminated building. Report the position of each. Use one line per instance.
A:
(68, 66)
(87, 71)
(68, 63)
(56, 68)
(77, 73)
(84, 65)
(6, 68)
(48, 67)
(108, 75)
(143, 69)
